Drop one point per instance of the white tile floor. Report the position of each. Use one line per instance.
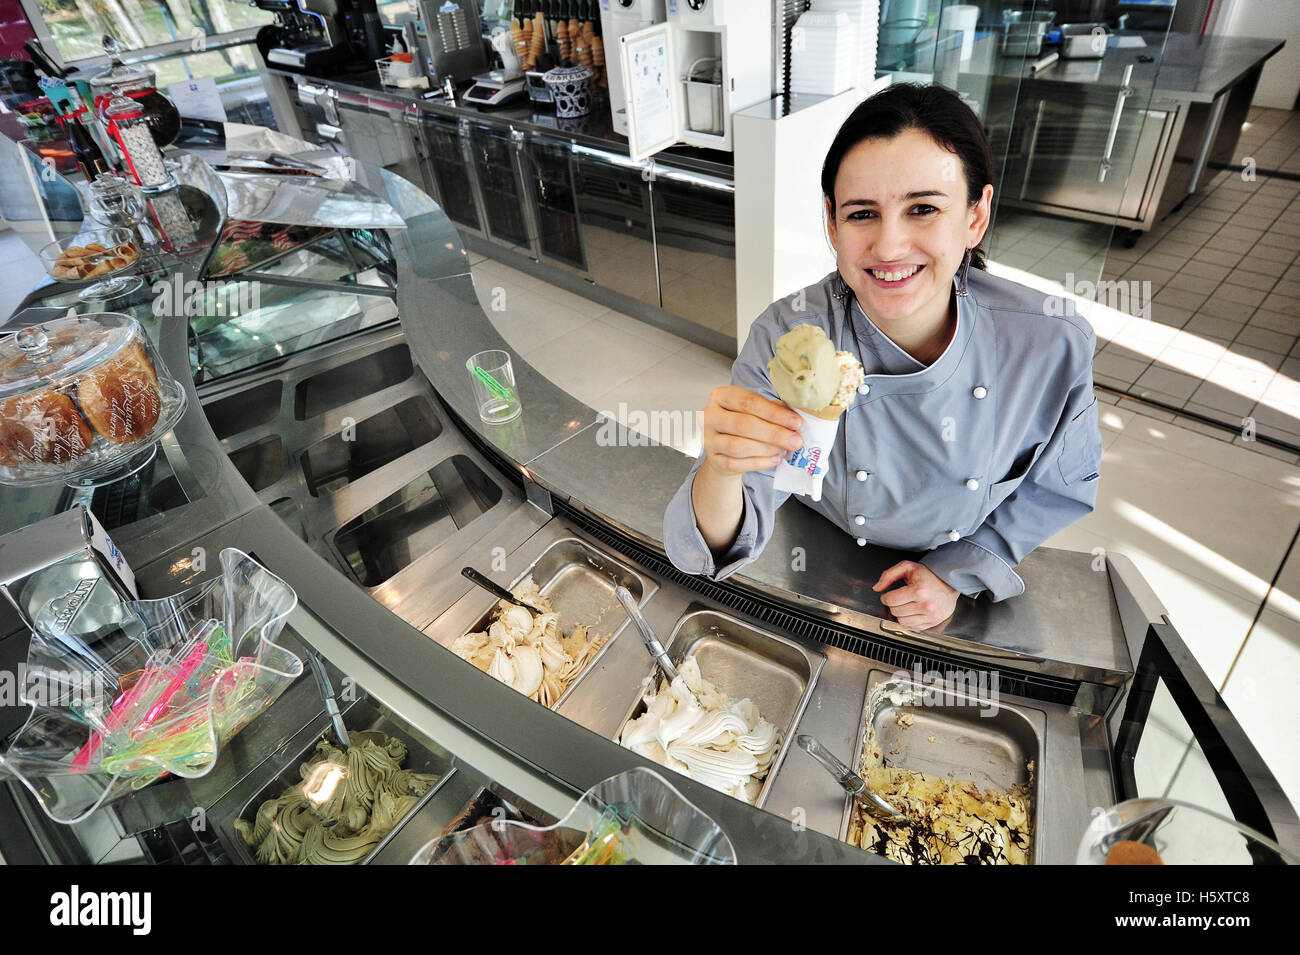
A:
(1207, 523)
(1203, 314)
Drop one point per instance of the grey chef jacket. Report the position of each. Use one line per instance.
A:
(977, 458)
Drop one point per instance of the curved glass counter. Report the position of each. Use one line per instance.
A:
(332, 433)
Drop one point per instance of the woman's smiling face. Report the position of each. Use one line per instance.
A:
(900, 226)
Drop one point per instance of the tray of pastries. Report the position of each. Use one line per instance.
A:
(79, 263)
(81, 397)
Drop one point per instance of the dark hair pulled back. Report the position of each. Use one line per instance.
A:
(934, 110)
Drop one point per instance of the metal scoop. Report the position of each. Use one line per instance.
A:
(469, 573)
(647, 635)
(849, 781)
(327, 695)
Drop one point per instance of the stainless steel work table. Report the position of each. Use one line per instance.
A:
(1179, 116)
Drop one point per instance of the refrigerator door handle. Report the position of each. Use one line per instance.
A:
(1125, 91)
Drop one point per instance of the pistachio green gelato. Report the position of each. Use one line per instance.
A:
(342, 809)
(805, 371)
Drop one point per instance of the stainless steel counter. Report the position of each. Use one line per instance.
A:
(1074, 141)
(595, 130)
(1188, 67)
(1193, 68)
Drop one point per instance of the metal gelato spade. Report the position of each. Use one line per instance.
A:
(849, 781)
(327, 696)
(469, 573)
(647, 635)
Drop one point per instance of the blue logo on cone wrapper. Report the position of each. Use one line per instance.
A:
(807, 459)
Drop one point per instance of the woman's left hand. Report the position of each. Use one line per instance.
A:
(923, 602)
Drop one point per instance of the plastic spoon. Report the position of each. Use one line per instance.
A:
(849, 781)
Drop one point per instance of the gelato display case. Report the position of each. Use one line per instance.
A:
(330, 432)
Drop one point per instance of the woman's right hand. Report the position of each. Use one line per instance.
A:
(743, 431)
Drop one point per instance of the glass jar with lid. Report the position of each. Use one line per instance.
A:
(129, 127)
(116, 202)
(83, 400)
(139, 83)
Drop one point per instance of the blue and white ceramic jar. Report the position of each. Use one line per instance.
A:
(570, 90)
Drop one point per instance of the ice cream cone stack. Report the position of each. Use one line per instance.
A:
(526, 51)
(598, 58)
(520, 42)
(539, 37)
(562, 41)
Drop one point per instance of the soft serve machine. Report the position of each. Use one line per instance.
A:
(719, 60)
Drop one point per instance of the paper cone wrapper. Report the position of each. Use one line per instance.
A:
(802, 471)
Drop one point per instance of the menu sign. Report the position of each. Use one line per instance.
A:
(198, 99)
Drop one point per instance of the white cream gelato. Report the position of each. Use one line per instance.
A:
(528, 651)
(691, 727)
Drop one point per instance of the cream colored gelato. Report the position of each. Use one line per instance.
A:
(342, 809)
(693, 728)
(851, 376)
(528, 651)
(809, 374)
(948, 821)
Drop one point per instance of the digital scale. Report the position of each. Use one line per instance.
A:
(493, 89)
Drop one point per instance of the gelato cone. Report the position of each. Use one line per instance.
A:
(804, 372)
(821, 384)
(830, 412)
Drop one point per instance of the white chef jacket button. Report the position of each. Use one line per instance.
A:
(862, 542)
(979, 391)
(861, 475)
(864, 388)
(859, 519)
(972, 484)
(954, 536)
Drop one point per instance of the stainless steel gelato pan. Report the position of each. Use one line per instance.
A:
(1084, 41)
(362, 716)
(953, 731)
(580, 581)
(774, 672)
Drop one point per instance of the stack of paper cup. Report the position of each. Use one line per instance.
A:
(822, 54)
(865, 17)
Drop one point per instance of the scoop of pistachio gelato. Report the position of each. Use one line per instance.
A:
(805, 371)
(345, 805)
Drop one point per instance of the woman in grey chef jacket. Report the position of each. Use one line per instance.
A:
(974, 436)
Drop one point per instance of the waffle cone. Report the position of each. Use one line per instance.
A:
(830, 413)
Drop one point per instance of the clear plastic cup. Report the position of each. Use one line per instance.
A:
(492, 377)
